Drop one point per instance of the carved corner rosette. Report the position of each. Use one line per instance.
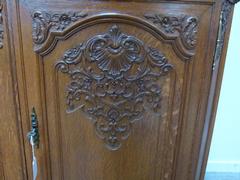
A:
(183, 27)
(227, 7)
(1, 25)
(46, 22)
(114, 79)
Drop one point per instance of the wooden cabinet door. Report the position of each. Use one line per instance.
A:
(120, 87)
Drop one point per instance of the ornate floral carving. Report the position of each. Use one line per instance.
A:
(44, 22)
(1, 25)
(184, 26)
(114, 79)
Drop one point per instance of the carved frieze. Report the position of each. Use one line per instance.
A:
(1, 25)
(182, 26)
(179, 31)
(45, 22)
(114, 78)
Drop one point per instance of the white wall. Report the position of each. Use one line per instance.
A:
(225, 148)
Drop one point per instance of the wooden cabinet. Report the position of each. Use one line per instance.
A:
(122, 90)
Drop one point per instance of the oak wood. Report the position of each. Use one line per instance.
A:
(169, 146)
(12, 157)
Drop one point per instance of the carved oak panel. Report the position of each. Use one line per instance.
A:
(130, 75)
(115, 95)
(120, 77)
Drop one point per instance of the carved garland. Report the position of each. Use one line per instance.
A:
(114, 80)
(1, 25)
(183, 26)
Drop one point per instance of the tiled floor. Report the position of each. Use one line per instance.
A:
(222, 176)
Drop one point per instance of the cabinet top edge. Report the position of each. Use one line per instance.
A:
(154, 1)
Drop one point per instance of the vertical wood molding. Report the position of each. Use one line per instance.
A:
(13, 157)
(1, 24)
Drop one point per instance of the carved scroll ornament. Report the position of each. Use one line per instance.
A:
(114, 80)
(184, 26)
(44, 22)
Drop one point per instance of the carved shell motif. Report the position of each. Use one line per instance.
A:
(114, 80)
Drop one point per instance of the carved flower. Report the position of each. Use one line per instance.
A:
(63, 20)
(170, 24)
